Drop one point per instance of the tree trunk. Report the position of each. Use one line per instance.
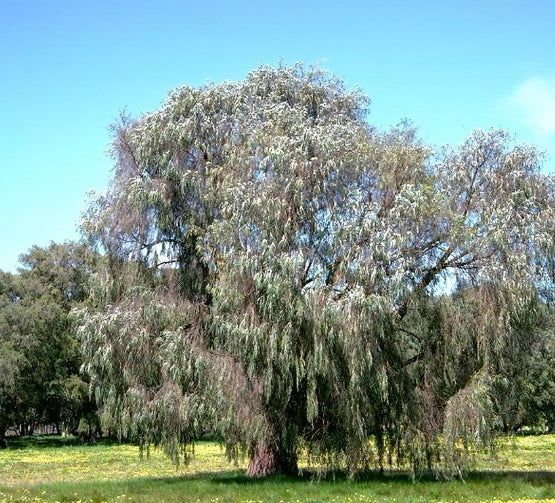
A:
(3, 442)
(268, 460)
(262, 463)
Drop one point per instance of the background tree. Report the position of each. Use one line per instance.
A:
(11, 358)
(538, 397)
(40, 354)
(291, 277)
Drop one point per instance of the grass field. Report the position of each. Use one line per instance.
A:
(49, 470)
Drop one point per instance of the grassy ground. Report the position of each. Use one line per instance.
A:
(51, 470)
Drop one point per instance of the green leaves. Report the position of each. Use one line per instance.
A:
(279, 272)
(39, 354)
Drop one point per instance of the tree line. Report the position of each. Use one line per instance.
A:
(40, 355)
(273, 270)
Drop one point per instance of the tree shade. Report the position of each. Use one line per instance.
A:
(282, 274)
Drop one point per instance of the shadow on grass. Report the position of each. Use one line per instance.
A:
(236, 486)
(537, 477)
(541, 477)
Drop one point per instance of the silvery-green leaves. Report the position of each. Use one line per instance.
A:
(279, 272)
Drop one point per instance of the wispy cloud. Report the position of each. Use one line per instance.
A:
(534, 101)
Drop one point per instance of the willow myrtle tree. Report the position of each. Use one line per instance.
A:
(279, 272)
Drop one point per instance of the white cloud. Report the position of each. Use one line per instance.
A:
(534, 101)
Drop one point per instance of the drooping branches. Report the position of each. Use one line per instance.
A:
(289, 277)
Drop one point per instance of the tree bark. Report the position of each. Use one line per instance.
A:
(268, 460)
(262, 463)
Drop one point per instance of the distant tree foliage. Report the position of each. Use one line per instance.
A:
(40, 356)
(282, 274)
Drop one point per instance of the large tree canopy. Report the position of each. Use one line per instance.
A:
(280, 273)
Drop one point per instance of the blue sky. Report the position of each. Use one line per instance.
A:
(67, 67)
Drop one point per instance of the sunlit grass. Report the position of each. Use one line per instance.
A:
(523, 471)
(522, 454)
(31, 466)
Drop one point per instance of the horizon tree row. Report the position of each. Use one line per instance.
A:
(40, 356)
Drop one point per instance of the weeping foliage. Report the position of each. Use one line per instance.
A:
(281, 274)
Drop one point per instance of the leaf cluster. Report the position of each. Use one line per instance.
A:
(281, 273)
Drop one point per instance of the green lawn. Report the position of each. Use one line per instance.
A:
(523, 470)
